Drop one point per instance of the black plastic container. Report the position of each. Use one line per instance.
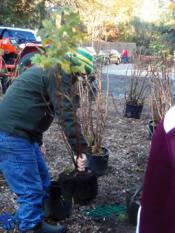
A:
(151, 128)
(82, 187)
(133, 111)
(55, 206)
(98, 163)
(133, 204)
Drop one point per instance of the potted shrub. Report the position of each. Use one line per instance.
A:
(136, 92)
(61, 36)
(81, 187)
(93, 115)
(161, 98)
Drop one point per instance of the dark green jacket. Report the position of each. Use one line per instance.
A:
(31, 102)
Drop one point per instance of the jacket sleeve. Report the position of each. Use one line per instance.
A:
(59, 90)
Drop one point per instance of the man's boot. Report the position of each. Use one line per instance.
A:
(47, 228)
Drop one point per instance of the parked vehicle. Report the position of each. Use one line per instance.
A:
(22, 35)
(109, 57)
(17, 47)
(114, 57)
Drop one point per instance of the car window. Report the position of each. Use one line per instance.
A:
(6, 34)
(21, 36)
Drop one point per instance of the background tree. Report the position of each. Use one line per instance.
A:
(168, 26)
(143, 33)
(22, 13)
(107, 20)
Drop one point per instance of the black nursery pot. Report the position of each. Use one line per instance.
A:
(133, 111)
(81, 186)
(151, 128)
(98, 163)
(133, 204)
(55, 206)
(133, 212)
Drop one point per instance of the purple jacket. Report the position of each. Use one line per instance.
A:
(158, 199)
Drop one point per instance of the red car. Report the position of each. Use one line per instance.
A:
(17, 47)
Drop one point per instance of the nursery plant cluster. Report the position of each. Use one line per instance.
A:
(150, 82)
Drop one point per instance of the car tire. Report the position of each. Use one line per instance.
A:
(25, 62)
(118, 62)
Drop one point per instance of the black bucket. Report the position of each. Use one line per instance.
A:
(133, 111)
(98, 163)
(151, 128)
(55, 206)
(133, 204)
(82, 187)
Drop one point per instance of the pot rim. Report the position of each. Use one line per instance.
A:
(105, 152)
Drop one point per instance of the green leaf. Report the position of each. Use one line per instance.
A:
(59, 39)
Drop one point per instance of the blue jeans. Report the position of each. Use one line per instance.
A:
(26, 173)
(125, 59)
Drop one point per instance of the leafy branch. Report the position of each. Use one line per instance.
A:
(61, 33)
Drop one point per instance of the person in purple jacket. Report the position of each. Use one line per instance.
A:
(157, 211)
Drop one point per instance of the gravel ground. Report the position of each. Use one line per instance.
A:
(128, 142)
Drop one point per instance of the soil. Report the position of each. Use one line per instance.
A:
(128, 142)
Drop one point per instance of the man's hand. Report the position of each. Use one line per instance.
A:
(43, 149)
(81, 162)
